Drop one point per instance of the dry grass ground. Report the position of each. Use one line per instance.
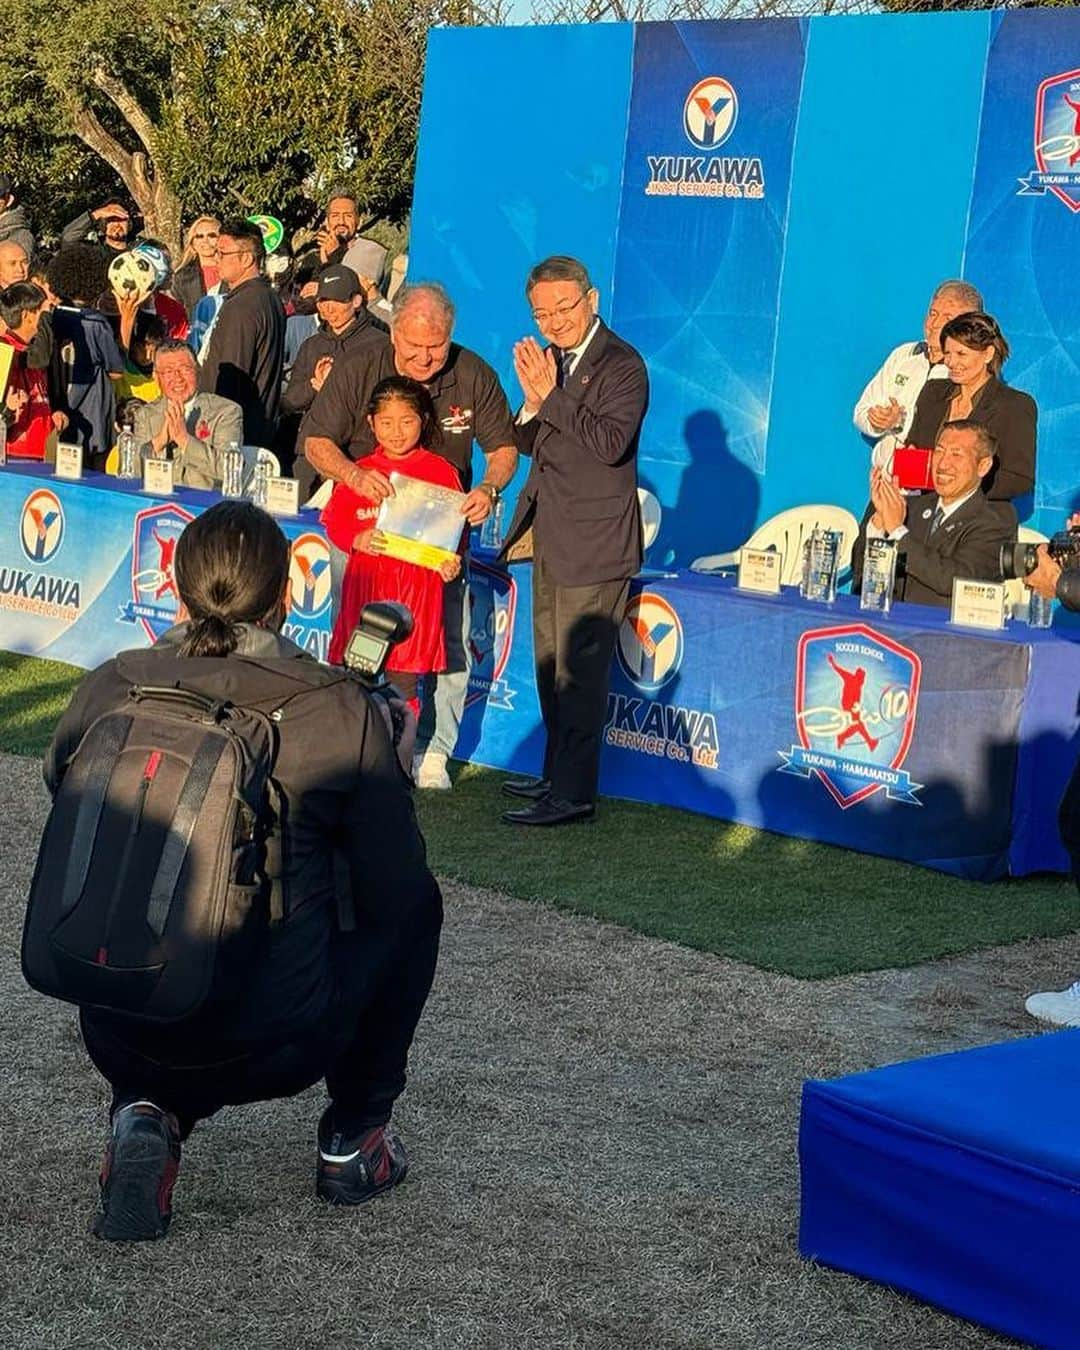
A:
(602, 1129)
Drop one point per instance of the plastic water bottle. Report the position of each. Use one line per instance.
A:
(3, 440)
(491, 532)
(1040, 611)
(128, 466)
(260, 484)
(232, 471)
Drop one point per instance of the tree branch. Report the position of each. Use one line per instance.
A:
(89, 130)
(133, 113)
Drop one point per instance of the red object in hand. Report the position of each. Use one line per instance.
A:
(911, 468)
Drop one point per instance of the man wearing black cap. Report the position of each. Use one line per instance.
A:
(344, 325)
(14, 227)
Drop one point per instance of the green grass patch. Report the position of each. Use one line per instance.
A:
(782, 904)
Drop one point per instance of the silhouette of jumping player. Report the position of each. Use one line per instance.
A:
(1076, 128)
(166, 549)
(853, 681)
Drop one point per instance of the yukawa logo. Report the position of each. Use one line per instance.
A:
(710, 111)
(650, 649)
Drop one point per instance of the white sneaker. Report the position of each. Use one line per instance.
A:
(1062, 1009)
(429, 771)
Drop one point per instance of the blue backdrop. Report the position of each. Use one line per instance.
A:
(891, 151)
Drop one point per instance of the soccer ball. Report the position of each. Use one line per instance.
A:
(158, 260)
(132, 274)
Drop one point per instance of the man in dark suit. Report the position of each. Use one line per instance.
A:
(954, 531)
(585, 398)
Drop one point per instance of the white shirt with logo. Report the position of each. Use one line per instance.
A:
(907, 368)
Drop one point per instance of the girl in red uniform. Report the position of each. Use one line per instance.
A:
(403, 421)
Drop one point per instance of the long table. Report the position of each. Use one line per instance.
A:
(901, 736)
(743, 707)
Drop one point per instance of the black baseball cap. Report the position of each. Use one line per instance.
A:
(337, 283)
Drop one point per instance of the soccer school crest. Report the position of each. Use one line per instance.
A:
(856, 700)
(41, 528)
(493, 604)
(1057, 141)
(154, 601)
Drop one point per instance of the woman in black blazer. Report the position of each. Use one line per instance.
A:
(974, 352)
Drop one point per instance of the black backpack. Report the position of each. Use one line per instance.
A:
(150, 894)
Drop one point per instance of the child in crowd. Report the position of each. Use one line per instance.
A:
(86, 357)
(404, 424)
(137, 381)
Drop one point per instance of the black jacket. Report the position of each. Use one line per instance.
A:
(347, 822)
(298, 395)
(580, 497)
(1009, 415)
(246, 355)
(187, 284)
(966, 544)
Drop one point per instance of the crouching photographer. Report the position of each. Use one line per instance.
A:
(232, 884)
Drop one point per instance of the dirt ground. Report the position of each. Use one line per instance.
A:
(602, 1130)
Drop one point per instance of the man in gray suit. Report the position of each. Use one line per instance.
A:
(191, 428)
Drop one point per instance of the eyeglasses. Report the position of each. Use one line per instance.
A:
(232, 252)
(545, 316)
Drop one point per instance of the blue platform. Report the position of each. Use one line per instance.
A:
(956, 1179)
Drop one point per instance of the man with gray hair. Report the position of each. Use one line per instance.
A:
(887, 405)
(335, 438)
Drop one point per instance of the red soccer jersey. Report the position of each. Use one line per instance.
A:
(29, 432)
(372, 576)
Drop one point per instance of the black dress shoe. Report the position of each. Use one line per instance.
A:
(531, 788)
(550, 810)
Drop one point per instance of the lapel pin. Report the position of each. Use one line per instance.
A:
(585, 379)
(927, 514)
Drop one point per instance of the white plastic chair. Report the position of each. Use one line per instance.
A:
(1016, 592)
(786, 532)
(650, 517)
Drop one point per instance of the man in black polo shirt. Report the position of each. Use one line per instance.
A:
(471, 405)
(247, 346)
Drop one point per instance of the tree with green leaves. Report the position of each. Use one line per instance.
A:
(213, 105)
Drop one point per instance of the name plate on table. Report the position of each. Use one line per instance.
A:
(158, 476)
(978, 604)
(759, 570)
(422, 522)
(69, 461)
(283, 496)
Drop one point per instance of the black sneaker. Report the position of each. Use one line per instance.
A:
(353, 1171)
(138, 1175)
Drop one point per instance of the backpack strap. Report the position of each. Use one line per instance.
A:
(192, 796)
(106, 740)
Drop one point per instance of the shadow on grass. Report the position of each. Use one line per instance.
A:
(787, 905)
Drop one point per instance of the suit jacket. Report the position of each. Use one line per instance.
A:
(1010, 417)
(212, 423)
(580, 497)
(966, 544)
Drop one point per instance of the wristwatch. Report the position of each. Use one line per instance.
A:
(492, 491)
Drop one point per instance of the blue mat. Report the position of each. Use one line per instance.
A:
(957, 1179)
